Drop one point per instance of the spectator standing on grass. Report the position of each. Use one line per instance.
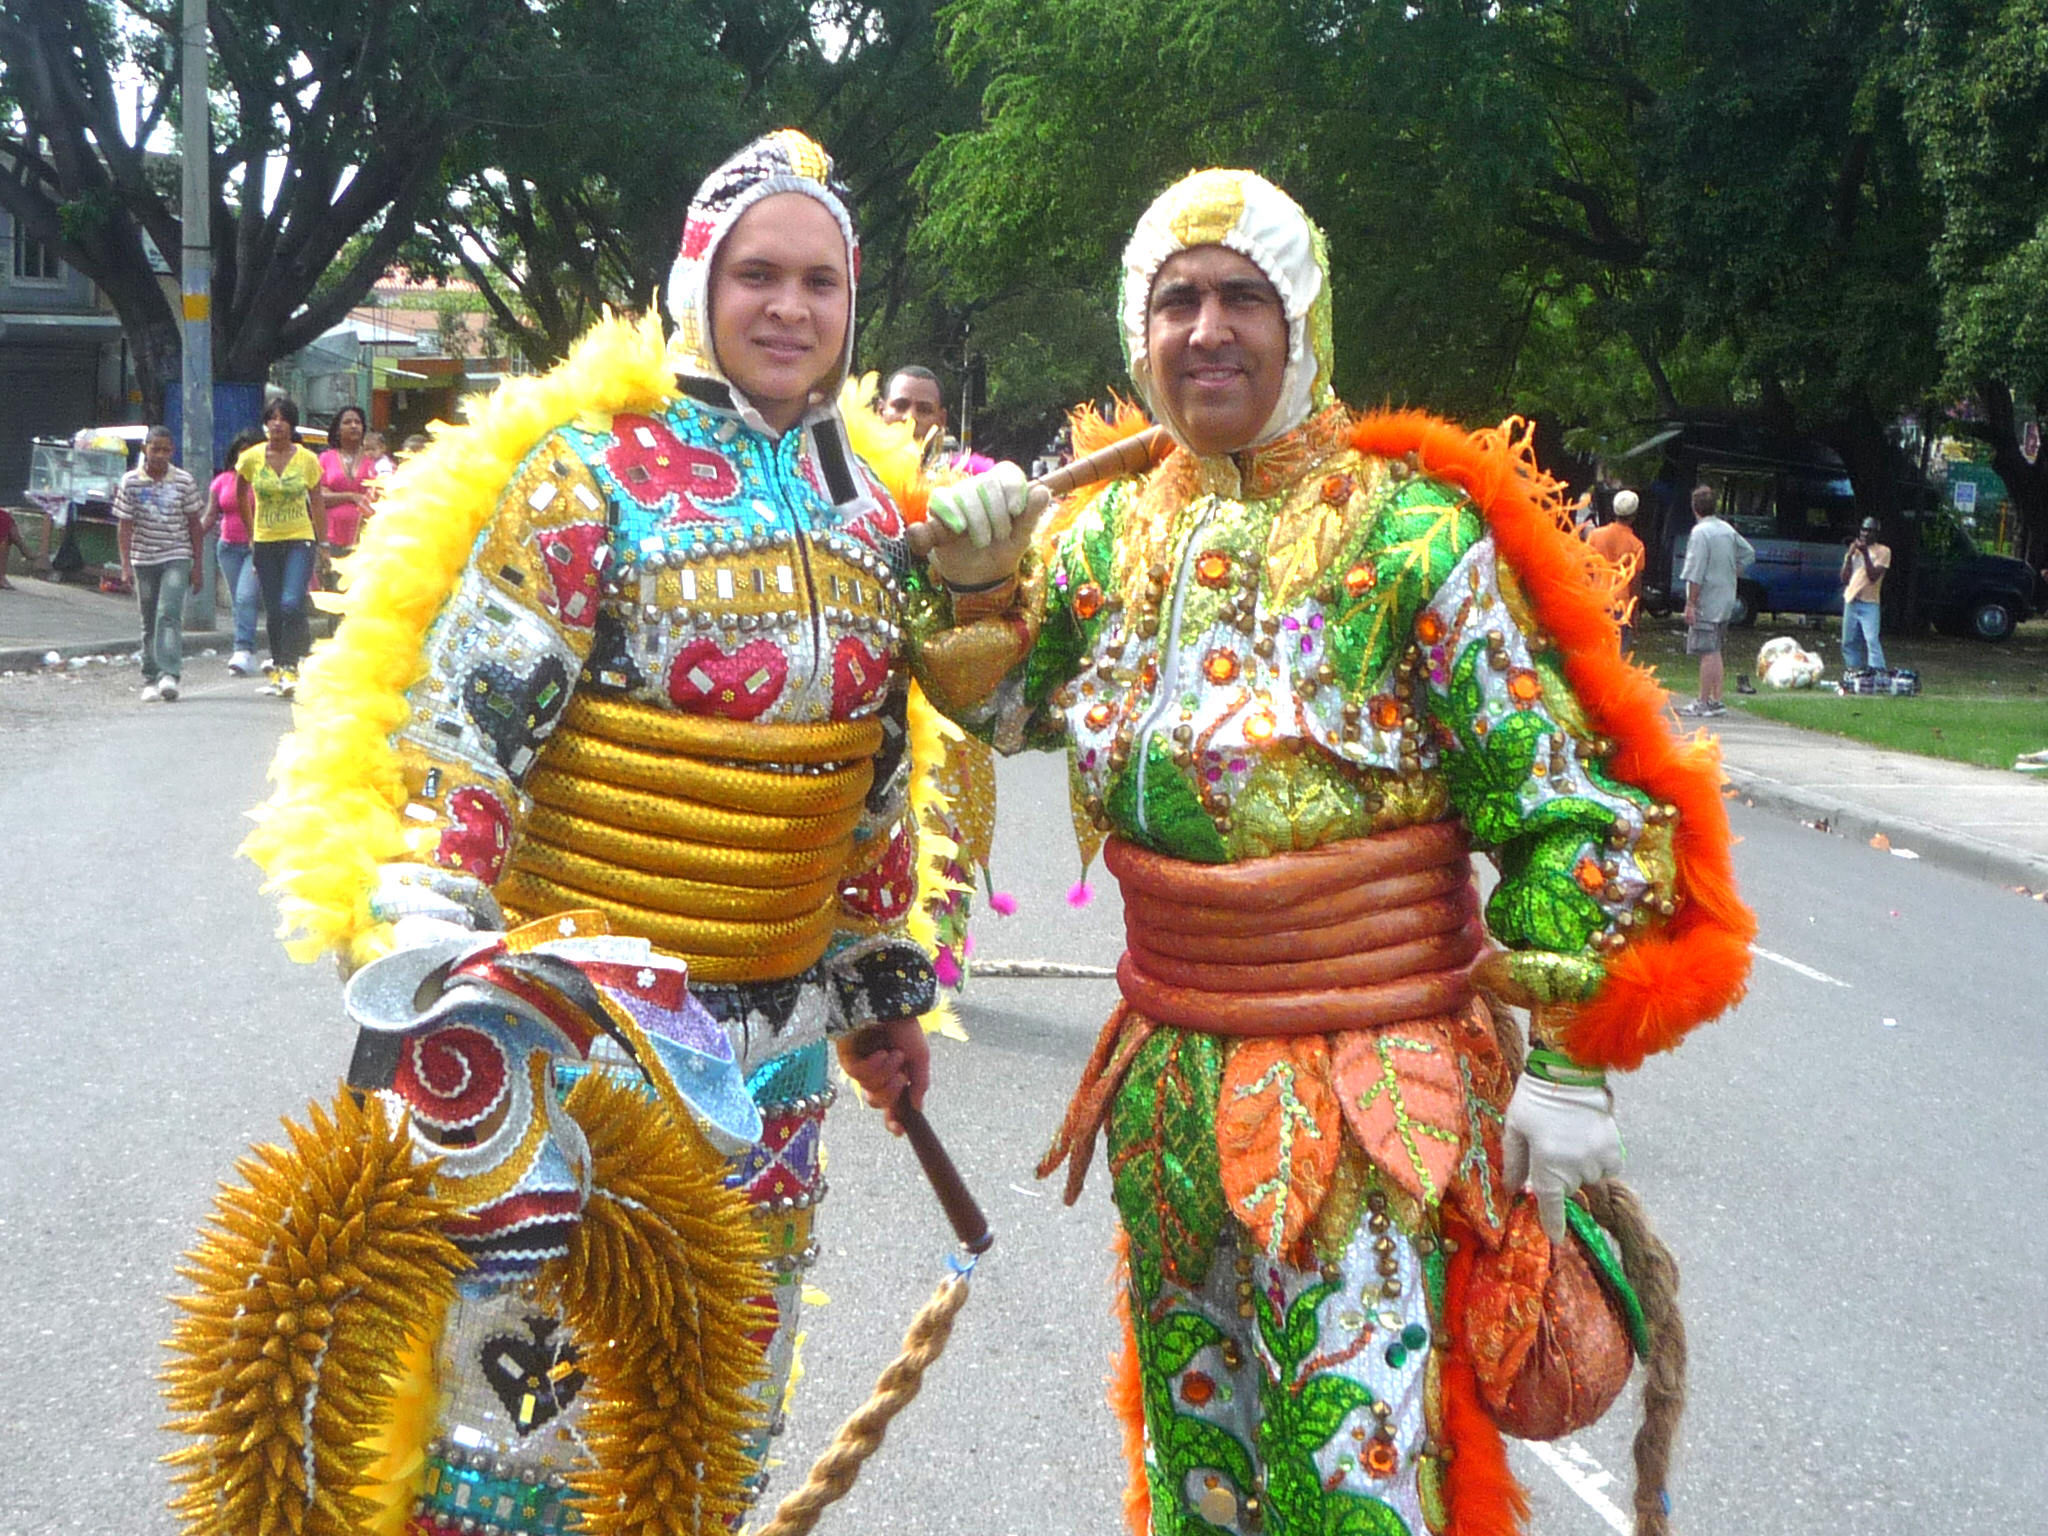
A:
(225, 509)
(1863, 566)
(1715, 556)
(157, 507)
(1617, 544)
(283, 480)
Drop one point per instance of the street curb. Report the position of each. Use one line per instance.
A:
(29, 657)
(1944, 847)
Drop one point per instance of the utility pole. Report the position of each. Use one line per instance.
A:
(196, 282)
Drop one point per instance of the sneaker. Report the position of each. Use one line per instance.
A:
(1696, 709)
(268, 687)
(287, 682)
(151, 692)
(167, 690)
(241, 664)
(1744, 685)
(1715, 708)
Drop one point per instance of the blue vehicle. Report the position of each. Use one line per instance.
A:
(1793, 501)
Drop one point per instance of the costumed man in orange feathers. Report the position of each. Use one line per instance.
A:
(1303, 669)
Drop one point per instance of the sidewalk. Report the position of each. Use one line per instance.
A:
(72, 619)
(1977, 821)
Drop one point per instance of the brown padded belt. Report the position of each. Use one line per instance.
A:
(1378, 930)
(1294, 1013)
(1368, 931)
(1360, 968)
(1264, 885)
(1157, 913)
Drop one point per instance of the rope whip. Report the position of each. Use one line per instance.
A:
(832, 1475)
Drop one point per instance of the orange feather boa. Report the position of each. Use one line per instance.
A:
(1662, 984)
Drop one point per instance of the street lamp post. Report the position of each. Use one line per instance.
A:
(196, 283)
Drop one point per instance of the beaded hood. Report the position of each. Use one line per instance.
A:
(782, 161)
(1243, 212)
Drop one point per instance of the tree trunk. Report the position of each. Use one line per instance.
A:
(2026, 484)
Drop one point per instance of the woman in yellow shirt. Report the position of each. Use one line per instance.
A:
(283, 481)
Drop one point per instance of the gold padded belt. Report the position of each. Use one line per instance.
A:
(648, 812)
(640, 725)
(663, 822)
(733, 789)
(655, 855)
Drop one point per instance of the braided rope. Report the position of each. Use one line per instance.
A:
(833, 1473)
(1653, 1273)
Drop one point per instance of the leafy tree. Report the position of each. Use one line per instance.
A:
(1975, 77)
(330, 121)
(557, 212)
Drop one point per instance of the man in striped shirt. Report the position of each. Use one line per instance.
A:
(158, 507)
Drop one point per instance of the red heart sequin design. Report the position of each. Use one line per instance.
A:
(652, 464)
(479, 836)
(885, 892)
(740, 685)
(571, 556)
(859, 677)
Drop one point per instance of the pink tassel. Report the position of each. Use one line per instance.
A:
(947, 969)
(967, 946)
(1081, 894)
(1003, 904)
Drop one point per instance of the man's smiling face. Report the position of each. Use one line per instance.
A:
(1216, 334)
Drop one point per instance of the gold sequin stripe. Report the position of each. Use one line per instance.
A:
(733, 789)
(666, 893)
(664, 730)
(644, 812)
(714, 950)
(690, 861)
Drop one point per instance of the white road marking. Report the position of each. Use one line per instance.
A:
(1793, 965)
(1585, 1477)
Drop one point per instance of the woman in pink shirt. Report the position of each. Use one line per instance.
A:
(224, 510)
(345, 473)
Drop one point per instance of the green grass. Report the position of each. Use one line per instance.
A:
(1987, 732)
(1979, 703)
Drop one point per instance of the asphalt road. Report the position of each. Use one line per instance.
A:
(1841, 1166)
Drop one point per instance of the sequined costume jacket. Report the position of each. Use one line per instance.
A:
(1322, 645)
(604, 717)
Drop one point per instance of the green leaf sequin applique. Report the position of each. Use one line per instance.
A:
(1408, 551)
(1299, 1415)
(1182, 1444)
(1174, 821)
(1539, 902)
(1162, 1154)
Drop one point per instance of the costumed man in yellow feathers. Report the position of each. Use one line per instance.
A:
(1303, 668)
(610, 757)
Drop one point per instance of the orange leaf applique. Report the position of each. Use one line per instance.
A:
(1404, 1099)
(1504, 1302)
(1485, 1085)
(1280, 1131)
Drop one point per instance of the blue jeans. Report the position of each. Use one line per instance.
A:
(1860, 645)
(245, 592)
(284, 567)
(160, 592)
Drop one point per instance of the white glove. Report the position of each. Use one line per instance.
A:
(983, 507)
(1557, 1138)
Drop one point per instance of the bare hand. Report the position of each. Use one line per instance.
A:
(884, 1059)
